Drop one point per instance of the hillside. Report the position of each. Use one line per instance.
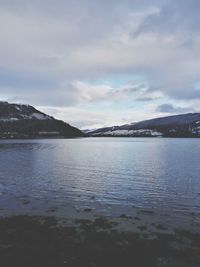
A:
(186, 125)
(24, 121)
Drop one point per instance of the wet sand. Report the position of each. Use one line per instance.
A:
(40, 241)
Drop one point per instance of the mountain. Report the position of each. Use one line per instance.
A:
(24, 121)
(186, 125)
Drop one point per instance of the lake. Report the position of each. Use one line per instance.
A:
(111, 176)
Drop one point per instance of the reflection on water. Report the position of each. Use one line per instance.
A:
(158, 174)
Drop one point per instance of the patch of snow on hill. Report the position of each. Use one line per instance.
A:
(39, 116)
(18, 108)
(8, 119)
(142, 132)
(196, 130)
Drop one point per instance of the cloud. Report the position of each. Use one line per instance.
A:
(181, 16)
(104, 92)
(54, 53)
(87, 119)
(169, 108)
(175, 27)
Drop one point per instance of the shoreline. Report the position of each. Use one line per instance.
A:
(98, 136)
(49, 241)
(127, 218)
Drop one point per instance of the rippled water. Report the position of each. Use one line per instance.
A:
(151, 173)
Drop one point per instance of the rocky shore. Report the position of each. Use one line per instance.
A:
(35, 241)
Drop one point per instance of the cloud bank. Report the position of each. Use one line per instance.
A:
(95, 63)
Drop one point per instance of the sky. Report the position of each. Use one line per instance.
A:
(99, 63)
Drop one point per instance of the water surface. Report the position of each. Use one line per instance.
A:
(110, 175)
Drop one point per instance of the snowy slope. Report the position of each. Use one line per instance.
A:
(14, 112)
(24, 121)
(186, 125)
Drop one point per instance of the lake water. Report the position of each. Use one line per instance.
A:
(109, 175)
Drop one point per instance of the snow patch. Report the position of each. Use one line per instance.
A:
(196, 130)
(8, 119)
(18, 108)
(141, 132)
(39, 116)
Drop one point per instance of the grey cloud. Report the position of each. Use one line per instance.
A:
(47, 45)
(176, 26)
(169, 108)
(49, 95)
(174, 16)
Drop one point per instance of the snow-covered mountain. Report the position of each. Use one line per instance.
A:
(23, 121)
(186, 125)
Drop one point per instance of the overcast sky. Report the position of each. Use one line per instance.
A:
(95, 63)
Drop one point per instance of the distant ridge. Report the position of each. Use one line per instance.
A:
(24, 121)
(185, 125)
